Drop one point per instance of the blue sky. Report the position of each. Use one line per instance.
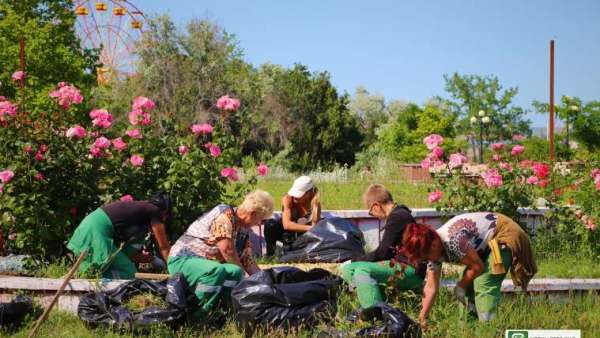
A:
(401, 49)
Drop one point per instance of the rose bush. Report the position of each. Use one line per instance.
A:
(58, 165)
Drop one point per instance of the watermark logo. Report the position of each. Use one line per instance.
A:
(542, 334)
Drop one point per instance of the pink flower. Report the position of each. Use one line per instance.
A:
(6, 175)
(28, 149)
(143, 103)
(262, 169)
(497, 146)
(126, 198)
(433, 141)
(437, 152)
(96, 152)
(215, 151)
(76, 132)
(136, 160)
(595, 174)
(492, 178)
(518, 137)
(496, 157)
(457, 160)
(101, 118)
(38, 177)
(43, 148)
(134, 133)
(203, 128)
(590, 224)
(66, 95)
(102, 142)
(435, 196)
(505, 166)
(227, 103)
(7, 108)
(39, 156)
(18, 75)
(119, 144)
(230, 173)
(183, 150)
(517, 150)
(598, 185)
(139, 116)
(543, 183)
(426, 163)
(541, 170)
(533, 180)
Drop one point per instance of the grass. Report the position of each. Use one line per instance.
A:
(572, 312)
(347, 195)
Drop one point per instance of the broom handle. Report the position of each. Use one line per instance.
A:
(43, 317)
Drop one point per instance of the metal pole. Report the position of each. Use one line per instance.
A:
(551, 126)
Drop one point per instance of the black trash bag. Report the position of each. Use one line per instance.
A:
(395, 323)
(332, 240)
(12, 314)
(107, 308)
(284, 297)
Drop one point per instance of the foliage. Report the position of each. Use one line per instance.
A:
(52, 49)
(586, 126)
(371, 111)
(537, 149)
(53, 176)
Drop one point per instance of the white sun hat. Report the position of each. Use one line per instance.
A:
(301, 185)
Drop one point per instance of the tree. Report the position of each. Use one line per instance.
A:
(370, 110)
(52, 49)
(567, 110)
(473, 93)
(586, 126)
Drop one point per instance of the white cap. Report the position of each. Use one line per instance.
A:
(301, 185)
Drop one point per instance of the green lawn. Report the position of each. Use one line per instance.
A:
(347, 195)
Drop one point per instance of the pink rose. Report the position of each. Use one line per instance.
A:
(18, 75)
(38, 177)
(496, 157)
(590, 225)
(492, 178)
(136, 160)
(541, 170)
(143, 103)
(505, 166)
(134, 133)
(134, 116)
(517, 150)
(28, 149)
(126, 198)
(533, 180)
(543, 183)
(203, 128)
(39, 156)
(227, 103)
(230, 173)
(6, 175)
(101, 118)
(435, 196)
(433, 141)
(262, 169)
(43, 148)
(598, 185)
(7, 108)
(497, 146)
(426, 163)
(66, 95)
(183, 150)
(102, 142)
(76, 132)
(595, 174)
(457, 160)
(96, 152)
(215, 151)
(437, 152)
(119, 144)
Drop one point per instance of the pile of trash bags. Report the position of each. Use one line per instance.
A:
(12, 314)
(108, 307)
(331, 240)
(285, 297)
(389, 322)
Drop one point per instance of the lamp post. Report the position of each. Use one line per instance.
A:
(482, 120)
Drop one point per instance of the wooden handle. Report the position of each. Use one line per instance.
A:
(44, 315)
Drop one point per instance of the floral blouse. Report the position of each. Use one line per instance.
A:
(201, 237)
(465, 232)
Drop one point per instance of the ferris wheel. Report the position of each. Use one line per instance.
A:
(113, 27)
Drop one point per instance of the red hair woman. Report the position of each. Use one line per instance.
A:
(487, 243)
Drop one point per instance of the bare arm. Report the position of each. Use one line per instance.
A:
(430, 290)
(286, 218)
(227, 249)
(316, 209)
(474, 268)
(160, 234)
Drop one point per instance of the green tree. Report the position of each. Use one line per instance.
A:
(586, 126)
(52, 49)
(371, 112)
(567, 110)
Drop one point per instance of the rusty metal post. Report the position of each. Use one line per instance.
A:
(551, 124)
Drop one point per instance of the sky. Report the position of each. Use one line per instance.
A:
(401, 49)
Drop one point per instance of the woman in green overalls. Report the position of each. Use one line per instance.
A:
(113, 236)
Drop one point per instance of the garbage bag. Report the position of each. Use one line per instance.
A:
(108, 307)
(393, 322)
(331, 240)
(12, 314)
(284, 297)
